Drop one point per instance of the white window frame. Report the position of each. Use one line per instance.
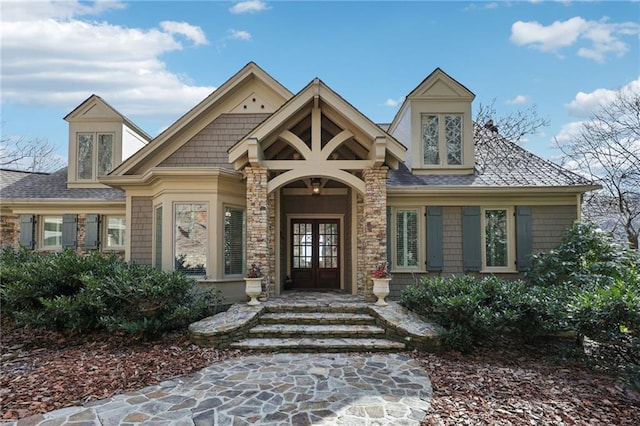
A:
(511, 240)
(41, 233)
(94, 154)
(443, 154)
(105, 232)
(419, 239)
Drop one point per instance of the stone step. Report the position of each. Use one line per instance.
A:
(323, 345)
(353, 308)
(316, 331)
(317, 318)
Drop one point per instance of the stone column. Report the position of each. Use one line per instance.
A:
(257, 221)
(375, 223)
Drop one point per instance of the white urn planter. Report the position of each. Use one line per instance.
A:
(381, 290)
(253, 288)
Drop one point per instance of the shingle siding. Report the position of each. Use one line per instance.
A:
(141, 230)
(209, 147)
(549, 225)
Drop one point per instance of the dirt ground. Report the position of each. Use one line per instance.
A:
(545, 384)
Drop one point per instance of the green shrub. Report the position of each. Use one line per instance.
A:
(84, 293)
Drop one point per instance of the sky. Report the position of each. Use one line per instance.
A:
(155, 60)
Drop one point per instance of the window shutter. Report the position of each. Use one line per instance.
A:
(524, 237)
(434, 238)
(389, 242)
(27, 230)
(69, 231)
(92, 232)
(471, 238)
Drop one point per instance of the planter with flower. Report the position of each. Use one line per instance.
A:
(381, 278)
(253, 284)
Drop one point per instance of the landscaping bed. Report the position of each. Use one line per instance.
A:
(546, 383)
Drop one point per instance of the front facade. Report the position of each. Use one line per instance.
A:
(303, 186)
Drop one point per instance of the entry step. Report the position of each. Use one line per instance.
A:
(316, 317)
(302, 330)
(326, 345)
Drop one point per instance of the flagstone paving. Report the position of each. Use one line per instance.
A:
(271, 389)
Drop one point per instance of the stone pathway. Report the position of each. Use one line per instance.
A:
(271, 389)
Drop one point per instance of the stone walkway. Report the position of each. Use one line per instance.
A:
(271, 389)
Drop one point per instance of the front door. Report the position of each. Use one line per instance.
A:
(315, 254)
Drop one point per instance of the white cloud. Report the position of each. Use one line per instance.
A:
(53, 58)
(250, 6)
(393, 102)
(191, 32)
(585, 104)
(239, 35)
(601, 37)
(518, 100)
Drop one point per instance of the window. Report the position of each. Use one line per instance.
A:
(406, 232)
(51, 232)
(442, 133)
(190, 237)
(158, 235)
(115, 229)
(498, 239)
(92, 158)
(234, 241)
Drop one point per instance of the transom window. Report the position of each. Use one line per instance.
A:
(498, 239)
(442, 139)
(234, 241)
(95, 155)
(190, 237)
(406, 244)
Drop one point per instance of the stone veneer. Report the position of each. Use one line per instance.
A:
(258, 221)
(375, 223)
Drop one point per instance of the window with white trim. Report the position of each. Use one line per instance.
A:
(95, 155)
(442, 139)
(115, 228)
(51, 232)
(498, 239)
(234, 241)
(406, 247)
(190, 237)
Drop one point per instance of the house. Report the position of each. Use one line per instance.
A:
(302, 185)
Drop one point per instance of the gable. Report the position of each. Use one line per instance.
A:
(249, 91)
(439, 85)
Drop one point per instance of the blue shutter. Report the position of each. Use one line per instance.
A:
(389, 239)
(471, 238)
(524, 237)
(92, 232)
(27, 230)
(69, 231)
(434, 239)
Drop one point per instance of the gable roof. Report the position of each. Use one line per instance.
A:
(317, 91)
(96, 103)
(499, 163)
(251, 70)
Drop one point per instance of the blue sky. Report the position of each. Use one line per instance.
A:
(154, 60)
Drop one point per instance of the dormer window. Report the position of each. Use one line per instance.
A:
(442, 139)
(95, 155)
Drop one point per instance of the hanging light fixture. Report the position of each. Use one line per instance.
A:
(315, 186)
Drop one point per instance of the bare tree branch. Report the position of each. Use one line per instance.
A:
(33, 155)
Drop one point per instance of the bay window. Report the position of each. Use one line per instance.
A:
(190, 237)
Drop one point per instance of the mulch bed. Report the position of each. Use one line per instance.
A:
(500, 385)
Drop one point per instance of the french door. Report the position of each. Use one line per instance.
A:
(315, 254)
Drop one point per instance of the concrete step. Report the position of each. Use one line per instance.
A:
(317, 318)
(323, 345)
(316, 331)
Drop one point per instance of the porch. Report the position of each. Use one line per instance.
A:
(316, 322)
